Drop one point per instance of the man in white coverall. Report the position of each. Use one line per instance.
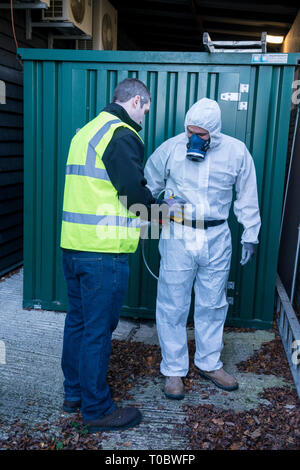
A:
(201, 256)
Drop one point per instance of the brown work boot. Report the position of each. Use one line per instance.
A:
(221, 379)
(174, 388)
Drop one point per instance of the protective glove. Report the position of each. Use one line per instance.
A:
(248, 251)
(176, 208)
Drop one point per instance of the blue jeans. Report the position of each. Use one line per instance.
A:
(96, 285)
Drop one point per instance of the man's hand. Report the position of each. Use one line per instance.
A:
(248, 251)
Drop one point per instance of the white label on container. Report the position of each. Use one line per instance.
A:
(269, 58)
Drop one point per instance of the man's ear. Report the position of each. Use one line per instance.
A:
(136, 100)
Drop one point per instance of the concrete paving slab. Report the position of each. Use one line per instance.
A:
(32, 381)
(147, 333)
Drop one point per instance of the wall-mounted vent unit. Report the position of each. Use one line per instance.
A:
(78, 12)
(105, 26)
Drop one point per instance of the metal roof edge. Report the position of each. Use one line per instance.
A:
(71, 55)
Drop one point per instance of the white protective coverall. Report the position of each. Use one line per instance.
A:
(200, 256)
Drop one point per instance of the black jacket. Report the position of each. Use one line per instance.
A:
(123, 159)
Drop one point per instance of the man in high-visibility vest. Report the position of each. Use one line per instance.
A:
(98, 231)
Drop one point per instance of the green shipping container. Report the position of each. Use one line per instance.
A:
(64, 89)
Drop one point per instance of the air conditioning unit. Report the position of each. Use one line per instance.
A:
(47, 2)
(78, 12)
(105, 26)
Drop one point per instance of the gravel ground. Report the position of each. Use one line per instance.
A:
(262, 414)
(273, 425)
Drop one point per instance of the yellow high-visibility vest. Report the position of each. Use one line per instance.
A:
(93, 217)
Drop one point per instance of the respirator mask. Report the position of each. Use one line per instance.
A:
(197, 148)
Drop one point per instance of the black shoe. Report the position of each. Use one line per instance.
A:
(71, 406)
(120, 418)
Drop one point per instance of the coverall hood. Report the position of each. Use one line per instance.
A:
(205, 113)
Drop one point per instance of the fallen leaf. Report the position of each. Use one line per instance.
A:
(150, 360)
(256, 434)
(219, 422)
(235, 446)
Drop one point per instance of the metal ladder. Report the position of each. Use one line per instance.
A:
(235, 46)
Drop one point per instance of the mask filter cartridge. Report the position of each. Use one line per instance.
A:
(197, 148)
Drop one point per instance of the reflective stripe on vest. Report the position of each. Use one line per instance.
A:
(91, 219)
(87, 224)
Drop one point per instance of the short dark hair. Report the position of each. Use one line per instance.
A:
(129, 88)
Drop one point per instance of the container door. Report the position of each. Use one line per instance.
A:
(89, 87)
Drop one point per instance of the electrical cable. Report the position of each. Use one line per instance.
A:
(14, 32)
(143, 241)
(144, 259)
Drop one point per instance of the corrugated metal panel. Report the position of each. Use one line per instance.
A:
(297, 291)
(291, 220)
(65, 89)
(11, 142)
(11, 139)
(11, 153)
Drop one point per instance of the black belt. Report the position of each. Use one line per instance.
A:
(202, 223)
(211, 223)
